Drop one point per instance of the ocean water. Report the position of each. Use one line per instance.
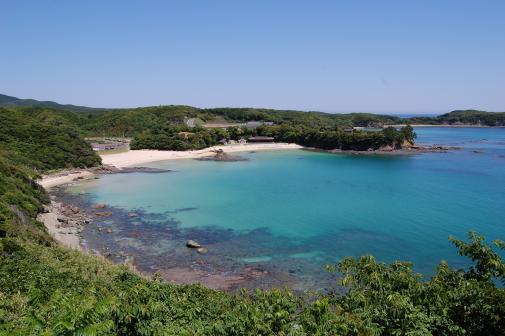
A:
(278, 218)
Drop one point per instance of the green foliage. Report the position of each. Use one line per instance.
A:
(46, 140)
(20, 200)
(51, 290)
(395, 301)
(472, 117)
(178, 138)
(488, 263)
(338, 138)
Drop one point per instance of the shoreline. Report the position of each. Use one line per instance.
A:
(68, 234)
(445, 126)
(135, 157)
(64, 225)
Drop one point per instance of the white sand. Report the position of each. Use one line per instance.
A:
(138, 157)
(50, 181)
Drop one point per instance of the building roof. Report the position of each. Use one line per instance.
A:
(261, 138)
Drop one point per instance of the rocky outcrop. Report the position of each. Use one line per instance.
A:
(222, 156)
(193, 244)
(202, 250)
(106, 169)
(103, 213)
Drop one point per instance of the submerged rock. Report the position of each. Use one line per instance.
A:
(100, 206)
(106, 169)
(132, 214)
(202, 250)
(192, 244)
(103, 213)
(148, 170)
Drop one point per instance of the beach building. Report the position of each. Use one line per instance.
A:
(256, 124)
(261, 139)
(107, 146)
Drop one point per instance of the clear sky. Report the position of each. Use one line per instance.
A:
(405, 56)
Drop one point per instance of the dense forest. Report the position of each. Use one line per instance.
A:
(182, 138)
(51, 143)
(46, 289)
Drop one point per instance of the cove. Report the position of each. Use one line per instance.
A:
(278, 218)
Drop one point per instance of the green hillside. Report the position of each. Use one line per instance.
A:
(9, 101)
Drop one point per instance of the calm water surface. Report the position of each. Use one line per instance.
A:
(276, 219)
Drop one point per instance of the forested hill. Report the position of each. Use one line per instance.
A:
(9, 101)
(131, 121)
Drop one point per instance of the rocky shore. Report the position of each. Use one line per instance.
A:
(64, 223)
(221, 156)
(410, 150)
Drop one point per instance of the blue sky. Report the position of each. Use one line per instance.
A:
(418, 56)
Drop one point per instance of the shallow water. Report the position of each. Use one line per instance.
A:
(276, 219)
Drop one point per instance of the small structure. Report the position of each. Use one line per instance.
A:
(256, 124)
(107, 145)
(223, 142)
(348, 130)
(242, 141)
(191, 122)
(253, 124)
(261, 139)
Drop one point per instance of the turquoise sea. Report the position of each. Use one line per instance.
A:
(278, 218)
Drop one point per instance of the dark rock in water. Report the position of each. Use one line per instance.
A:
(202, 250)
(149, 170)
(221, 156)
(182, 210)
(100, 206)
(477, 151)
(114, 170)
(103, 213)
(192, 244)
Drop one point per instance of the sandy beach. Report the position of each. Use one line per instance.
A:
(54, 180)
(137, 157)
